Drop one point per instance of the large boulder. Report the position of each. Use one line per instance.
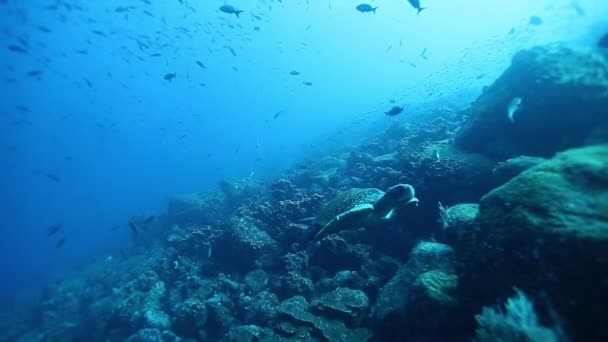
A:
(205, 208)
(245, 245)
(295, 311)
(545, 230)
(563, 91)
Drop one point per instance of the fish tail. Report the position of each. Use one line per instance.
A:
(237, 13)
(420, 10)
(374, 9)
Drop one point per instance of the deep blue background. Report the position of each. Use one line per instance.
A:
(161, 137)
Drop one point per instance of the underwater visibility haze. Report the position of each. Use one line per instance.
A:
(303, 170)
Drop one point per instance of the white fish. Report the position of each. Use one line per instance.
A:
(513, 107)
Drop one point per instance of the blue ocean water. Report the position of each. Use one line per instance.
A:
(109, 108)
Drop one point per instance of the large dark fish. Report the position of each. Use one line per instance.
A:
(603, 42)
(277, 114)
(396, 110)
(50, 176)
(54, 229)
(17, 48)
(230, 10)
(416, 5)
(133, 227)
(60, 243)
(366, 8)
(170, 76)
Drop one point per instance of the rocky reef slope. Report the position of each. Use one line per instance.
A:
(498, 209)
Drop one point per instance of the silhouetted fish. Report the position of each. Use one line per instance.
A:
(294, 73)
(170, 76)
(366, 8)
(60, 242)
(230, 10)
(200, 64)
(35, 73)
(416, 5)
(17, 48)
(277, 114)
(133, 227)
(603, 42)
(54, 229)
(394, 111)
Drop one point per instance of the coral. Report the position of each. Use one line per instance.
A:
(517, 322)
(342, 303)
(428, 255)
(243, 237)
(260, 308)
(153, 335)
(256, 281)
(190, 317)
(296, 309)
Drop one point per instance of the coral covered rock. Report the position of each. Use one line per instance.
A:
(562, 91)
(245, 245)
(342, 303)
(296, 310)
(546, 229)
(196, 209)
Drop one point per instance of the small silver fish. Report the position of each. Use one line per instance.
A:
(513, 107)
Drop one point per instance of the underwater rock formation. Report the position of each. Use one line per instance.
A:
(563, 93)
(296, 310)
(245, 245)
(545, 230)
(420, 294)
(197, 209)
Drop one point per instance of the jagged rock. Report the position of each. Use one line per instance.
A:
(256, 281)
(190, 318)
(240, 190)
(342, 303)
(220, 319)
(294, 283)
(296, 262)
(563, 91)
(432, 293)
(458, 220)
(251, 245)
(260, 308)
(546, 230)
(153, 335)
(296, 309)
(392, 297)
(428, 255)
(194, 240)
(504, 171)
(140, 303)
(283, 189)
(431, 304)
(386, 160)
(199, 209)
(248, 333)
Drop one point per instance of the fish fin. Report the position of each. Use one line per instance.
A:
(237, 13)
(374, 9)
(420, 10)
